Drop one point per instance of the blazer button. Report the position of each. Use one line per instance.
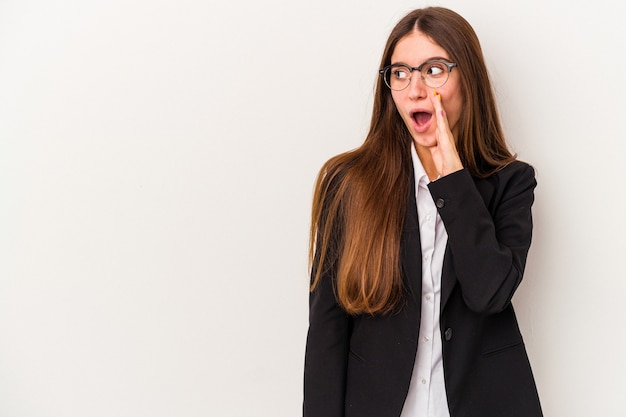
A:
(440, 203)
(448, 334)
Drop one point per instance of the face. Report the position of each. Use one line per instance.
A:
(414, 102)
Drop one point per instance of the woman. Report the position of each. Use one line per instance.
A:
(419, 240)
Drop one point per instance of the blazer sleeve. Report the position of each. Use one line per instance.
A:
(326, 354)
(488, 239)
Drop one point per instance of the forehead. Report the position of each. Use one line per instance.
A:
(415, 48)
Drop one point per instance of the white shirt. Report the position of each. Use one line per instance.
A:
(427, 392)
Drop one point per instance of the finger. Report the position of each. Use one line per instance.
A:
(443, 129)
(440, 114)
(450, 160)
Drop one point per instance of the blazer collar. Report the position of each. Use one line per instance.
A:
(411, 246)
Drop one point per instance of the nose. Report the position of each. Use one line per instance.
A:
(417, 88)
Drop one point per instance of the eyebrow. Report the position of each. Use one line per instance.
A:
(429, 59)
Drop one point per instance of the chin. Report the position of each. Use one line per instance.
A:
(425, 141)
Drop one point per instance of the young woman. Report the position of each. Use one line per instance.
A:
(419, 240)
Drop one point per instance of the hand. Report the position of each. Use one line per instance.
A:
(444, 154)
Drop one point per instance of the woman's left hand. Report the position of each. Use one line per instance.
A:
(445, 155)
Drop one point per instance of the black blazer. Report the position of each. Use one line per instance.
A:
(361, 366)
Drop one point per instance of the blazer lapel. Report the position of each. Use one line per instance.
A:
(411, 247)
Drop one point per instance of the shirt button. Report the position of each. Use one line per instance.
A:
(423, 381)
(426, 339)
(428, 217)
(428, 297)
(426, 257)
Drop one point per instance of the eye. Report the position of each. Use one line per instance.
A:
(435, 69)
(400, 73)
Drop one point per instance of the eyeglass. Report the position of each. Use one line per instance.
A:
(434, 73)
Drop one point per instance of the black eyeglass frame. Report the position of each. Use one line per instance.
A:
(448, 65)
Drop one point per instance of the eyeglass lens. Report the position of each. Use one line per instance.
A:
(434, 75)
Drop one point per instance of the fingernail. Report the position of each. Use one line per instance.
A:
(442, 112)
(434, 92)
(439, 97)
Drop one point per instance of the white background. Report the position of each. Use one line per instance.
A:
(157, 160)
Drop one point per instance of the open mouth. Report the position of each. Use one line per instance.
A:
(421, 118)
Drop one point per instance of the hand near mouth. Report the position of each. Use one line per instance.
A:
(445, 155)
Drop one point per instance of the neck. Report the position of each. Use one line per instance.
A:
(426, 158)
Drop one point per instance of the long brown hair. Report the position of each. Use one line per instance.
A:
(360, 197)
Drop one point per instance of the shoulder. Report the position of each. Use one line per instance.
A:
(515, 180)
(335, 171)
(517, 169)
(517, 174)
(330, 192)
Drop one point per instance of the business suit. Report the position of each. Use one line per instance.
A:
(360, 366)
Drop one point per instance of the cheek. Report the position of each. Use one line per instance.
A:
(397, 101)
(453, 98)
(396, 98)
(454, 116)
(456, 110)
(455, 107)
